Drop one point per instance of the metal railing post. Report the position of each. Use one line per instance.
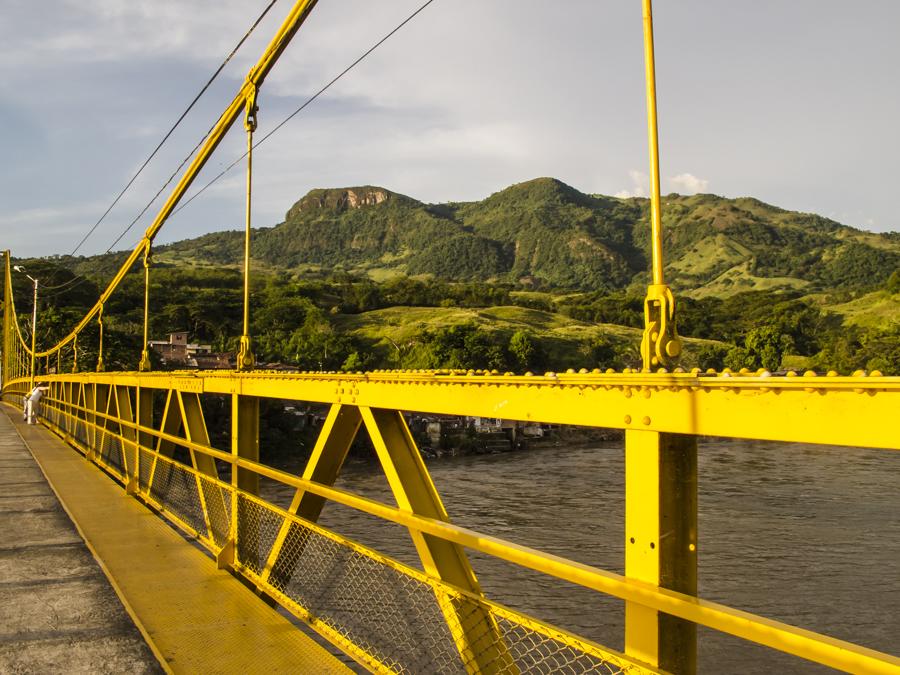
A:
(661, 544)
(244, 445)
(660, 345)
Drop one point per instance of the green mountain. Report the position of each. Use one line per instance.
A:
(546, 234)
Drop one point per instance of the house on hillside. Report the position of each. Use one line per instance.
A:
(178, 352)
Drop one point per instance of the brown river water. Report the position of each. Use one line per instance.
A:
(805, 534)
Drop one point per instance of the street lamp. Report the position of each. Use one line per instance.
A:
(19, 268)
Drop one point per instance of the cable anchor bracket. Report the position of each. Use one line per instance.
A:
(660, 345)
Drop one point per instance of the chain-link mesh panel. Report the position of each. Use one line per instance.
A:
(218, 509)
(174, 487)
(145, 465)
(395, 617)
(79, 430)
(258, 529)
(110, 450)
(391, 618)
(51, 412)
(528, 646)
(66, 421)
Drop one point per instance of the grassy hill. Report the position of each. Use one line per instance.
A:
(544, 234)
(538, 275)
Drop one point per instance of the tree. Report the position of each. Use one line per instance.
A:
(522, 349)
(601, 351)
(766, 346)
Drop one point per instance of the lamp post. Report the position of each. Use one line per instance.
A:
(19, 268)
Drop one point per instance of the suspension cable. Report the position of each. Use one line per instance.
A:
(175, 126)
(305, 104)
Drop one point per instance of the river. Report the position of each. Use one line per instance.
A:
(809, 535)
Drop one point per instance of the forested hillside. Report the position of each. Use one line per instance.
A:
(547, 235)
(536, 277)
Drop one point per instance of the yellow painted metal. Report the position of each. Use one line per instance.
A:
(100, 365)
(244, 445)
(144, 363)
(129, 438)
(325, 462)
(793, 640)
(660, 345)
(477, 636)
(245, 358)
(653, 144)
(849, 411)
(661, 543)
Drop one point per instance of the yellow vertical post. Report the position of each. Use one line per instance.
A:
(75, 354)
(100, 366)
(129, 438)
(7, 362)
(99, 402)
(245, 445)
(245, 358)
(33, 333)
(660, 344)
(144, 364)
(661, 544)
(145, 440)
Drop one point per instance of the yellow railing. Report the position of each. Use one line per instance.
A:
(170, 465)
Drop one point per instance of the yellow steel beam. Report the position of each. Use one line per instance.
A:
(851, 411)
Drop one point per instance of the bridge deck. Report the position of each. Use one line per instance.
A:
(196, 618)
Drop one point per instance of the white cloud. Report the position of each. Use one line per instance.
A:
(639, 183)
(688, 184)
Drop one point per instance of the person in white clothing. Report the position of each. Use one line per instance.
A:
(32, 401)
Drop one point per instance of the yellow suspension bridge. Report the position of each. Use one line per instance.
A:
(147, 431)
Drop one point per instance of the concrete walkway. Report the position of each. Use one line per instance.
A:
(58, 612)
(195, 617)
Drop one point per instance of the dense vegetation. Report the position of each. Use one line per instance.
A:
(347, 323)
(536, 277)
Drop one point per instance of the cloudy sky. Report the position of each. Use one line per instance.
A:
(795, 103)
